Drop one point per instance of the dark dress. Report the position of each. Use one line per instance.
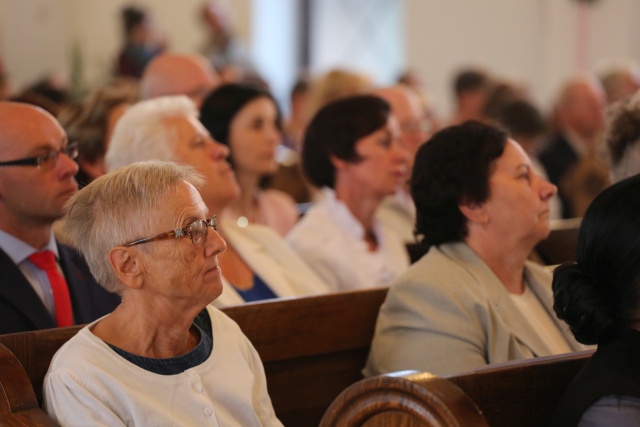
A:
(613, 370)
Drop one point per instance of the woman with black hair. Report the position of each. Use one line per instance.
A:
(352, 151)
(247, 120)
(474, 298)
(598, 296)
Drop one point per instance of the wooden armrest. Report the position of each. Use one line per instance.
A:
(18, 403)
(415, 399)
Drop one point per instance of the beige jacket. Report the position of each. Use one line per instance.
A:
(449, 313)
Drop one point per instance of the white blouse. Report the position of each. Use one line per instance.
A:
(332, 241)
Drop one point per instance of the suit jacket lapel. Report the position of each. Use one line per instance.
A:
(18, 292)
(255, 254)
(499, 298)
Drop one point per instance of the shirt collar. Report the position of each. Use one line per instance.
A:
(19, 251)
(344, 218)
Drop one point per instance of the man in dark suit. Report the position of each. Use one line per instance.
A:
(36, 179)
(580, 116)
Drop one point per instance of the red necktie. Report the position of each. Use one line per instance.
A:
(46, 261)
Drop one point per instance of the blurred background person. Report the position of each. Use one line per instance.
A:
(411, 79)
(288, 178)
(330, 86)
(352, 152)
(620, 80)
(179, 74)
(257, 264)
(148, 236)
(500, 93)
(572, 158)
(51, 93)
(398, 211)
(141, 42)
(333, 85)
(247, 120)
(622, 137)
(5, 83)
(598, 296)
(294, 126)
(222, 48)
(91, 123)
(470, 88)
(474, 298)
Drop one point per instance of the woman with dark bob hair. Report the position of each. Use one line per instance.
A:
(599, 298)
(473, 299)
(247, 119)
(353, 153)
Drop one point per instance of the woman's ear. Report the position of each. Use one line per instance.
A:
(475, 212)
(127, 266)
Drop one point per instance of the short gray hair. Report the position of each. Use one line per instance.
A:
(142, 134)
(115, 209)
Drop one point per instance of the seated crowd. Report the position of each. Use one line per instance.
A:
(178, 215)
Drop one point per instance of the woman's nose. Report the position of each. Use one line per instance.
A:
(215, 244)
(547, 189)
(219, 151)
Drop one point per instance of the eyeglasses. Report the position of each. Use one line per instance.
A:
(47, 160)
(197, 231)
(415, 126)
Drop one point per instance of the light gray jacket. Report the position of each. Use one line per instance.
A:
(449, 313)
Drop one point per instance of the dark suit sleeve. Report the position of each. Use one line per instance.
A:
(21, 309)
(90, 300)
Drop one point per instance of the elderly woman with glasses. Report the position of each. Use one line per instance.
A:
(152, 361)
(258, 264)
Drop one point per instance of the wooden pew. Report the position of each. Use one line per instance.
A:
(18, 403)
(519, 393)
(312, 348)
(561, 244)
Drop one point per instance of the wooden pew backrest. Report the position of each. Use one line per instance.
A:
(561, 244)
(312, 348)
(18, 403)
(519, 393)
(35, 349)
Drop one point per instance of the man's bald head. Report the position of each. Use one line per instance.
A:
(32, 195)
(409, 110)
(19, 120)
(178, 74)
(581, 106)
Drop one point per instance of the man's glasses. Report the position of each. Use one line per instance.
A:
(197, 231)
(414, 126)
(47, 160)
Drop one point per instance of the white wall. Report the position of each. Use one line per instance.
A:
(274, 45)
(31, 35)
(37, 36)
(531, 40)
(365, 36)
(534, 41)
